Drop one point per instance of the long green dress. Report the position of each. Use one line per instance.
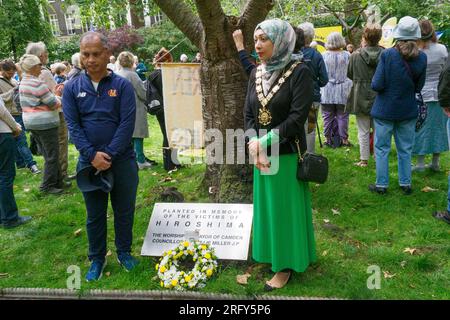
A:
(283, 233)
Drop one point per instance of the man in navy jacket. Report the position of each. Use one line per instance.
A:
(99, 108)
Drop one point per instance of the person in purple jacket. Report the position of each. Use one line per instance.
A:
(400, 74)
(100, 110)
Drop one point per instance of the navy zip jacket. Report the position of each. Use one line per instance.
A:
(101, 120)
(395, 86)
(314, 61)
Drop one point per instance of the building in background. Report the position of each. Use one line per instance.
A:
(66, 22)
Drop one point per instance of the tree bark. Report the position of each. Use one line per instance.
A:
(137, 13)
(223, 81)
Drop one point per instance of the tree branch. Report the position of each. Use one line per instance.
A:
(341, 21)
(183, 17)
(385, 17)
(255, 11)
(211, 15)
(358, 18)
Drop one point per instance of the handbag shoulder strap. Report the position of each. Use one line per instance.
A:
(8, 82)
(407, 66)
(297, 143)
(408, 69)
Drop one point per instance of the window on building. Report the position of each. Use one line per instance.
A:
(156, 19)
(55, 25)
(70, 23)
(159, 17)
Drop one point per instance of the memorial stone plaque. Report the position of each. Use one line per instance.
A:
(226, 227)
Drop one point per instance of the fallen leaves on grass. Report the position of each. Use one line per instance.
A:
(326, 220)
(388, 275)
(335, 212)
(411, 251)
(243, 278)
(77, 232)
(324, 253)
(403, 263)
(109, 253)
(4, 275)
(166, 179)
(108, 274)
(429, 189)
(212, 190)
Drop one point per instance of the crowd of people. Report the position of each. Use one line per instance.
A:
(99, 102)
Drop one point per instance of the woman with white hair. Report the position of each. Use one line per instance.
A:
(315, 62)
(77, 68)
(40, 116)
(335, 93)
(183, 58)
(126, 61)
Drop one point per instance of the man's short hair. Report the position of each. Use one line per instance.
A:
(7, 65)
(36, 48)
(93, 34)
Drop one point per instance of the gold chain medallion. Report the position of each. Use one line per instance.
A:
(265, 117)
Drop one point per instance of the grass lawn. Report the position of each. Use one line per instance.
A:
(366, 229)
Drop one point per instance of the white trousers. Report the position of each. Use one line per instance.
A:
(364, 123)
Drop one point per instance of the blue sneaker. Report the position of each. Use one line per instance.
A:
(96, 270)
(127, 261)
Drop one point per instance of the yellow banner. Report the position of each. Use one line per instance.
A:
(387, 41)
(322, 34)
(183, 104)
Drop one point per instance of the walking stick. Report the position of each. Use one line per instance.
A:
(318, 132)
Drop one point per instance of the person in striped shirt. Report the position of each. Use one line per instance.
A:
(40, 116)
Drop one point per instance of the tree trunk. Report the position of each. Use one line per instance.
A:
(137, 13)
(223, 81)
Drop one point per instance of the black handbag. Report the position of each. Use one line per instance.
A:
(311, 167)
(422, 111)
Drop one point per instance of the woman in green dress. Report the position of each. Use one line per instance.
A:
(280, 93)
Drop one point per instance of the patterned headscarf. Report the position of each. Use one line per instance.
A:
(283, 38)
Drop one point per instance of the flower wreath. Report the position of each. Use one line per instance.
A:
(205, 266)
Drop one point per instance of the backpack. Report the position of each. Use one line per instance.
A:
(153, 101)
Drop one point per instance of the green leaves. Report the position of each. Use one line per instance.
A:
(22, 21)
